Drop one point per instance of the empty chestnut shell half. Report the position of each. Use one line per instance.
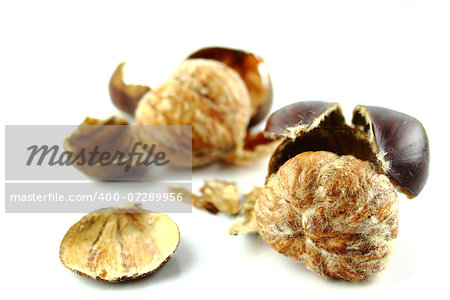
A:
(252, 70)
(396, 144)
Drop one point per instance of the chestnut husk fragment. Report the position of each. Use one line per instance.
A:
(125, 96)
(252, 70)
(394, 143)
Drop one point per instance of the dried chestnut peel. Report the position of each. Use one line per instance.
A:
(217, 195)
(255, 146)
(247, 223)
(330, 199)
(119, 243)
(209, 94)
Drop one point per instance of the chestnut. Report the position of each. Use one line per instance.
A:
(250, 67)
(329, 198)
(220, 92)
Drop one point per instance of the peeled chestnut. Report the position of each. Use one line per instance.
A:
(329, 198)
(220, 92)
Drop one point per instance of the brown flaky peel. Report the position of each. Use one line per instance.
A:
(221, 194)
(256, 146)
(119, 243)
(220, 92)
(247, 223)
(217, 195)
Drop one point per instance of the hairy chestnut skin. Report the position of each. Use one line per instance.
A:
(334, 213)
(253, 71)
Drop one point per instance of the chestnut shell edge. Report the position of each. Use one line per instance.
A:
(298, 118)
(400, 143)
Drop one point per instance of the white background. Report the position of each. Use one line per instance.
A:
(56, 59)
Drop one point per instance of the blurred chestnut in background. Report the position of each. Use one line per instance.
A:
(221, 92)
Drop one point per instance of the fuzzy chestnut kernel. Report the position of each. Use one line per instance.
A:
(252, 70)
(334, 213)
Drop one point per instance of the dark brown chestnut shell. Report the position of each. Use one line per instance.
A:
(402, 143)
(396, 144)
(252, 70)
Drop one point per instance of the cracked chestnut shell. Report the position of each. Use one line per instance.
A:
(395, 144)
